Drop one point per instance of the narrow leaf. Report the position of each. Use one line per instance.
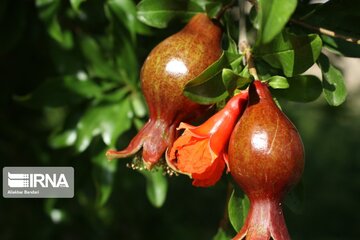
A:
(61, 92)
(103, 119)
(278, 82)
(99, 66)
(159, 13)
(125, 12)
(304, 88)
(339, 16)
(75, 4)
(232, 80)
(138, 105)
(341, 47)
(208, 88)
(103, 174)
(221, 235)
(291, 53)
(238, 208)
(333, 82)
(64, 139)
(62, 36)
(156, 187)
(273, 15)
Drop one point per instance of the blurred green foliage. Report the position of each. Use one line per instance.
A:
(70, 90)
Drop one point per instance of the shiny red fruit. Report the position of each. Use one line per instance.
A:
(266, 158)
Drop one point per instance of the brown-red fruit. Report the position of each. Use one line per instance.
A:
(167, 69)
(266, 158)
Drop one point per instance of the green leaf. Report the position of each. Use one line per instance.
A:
(99, 66)
(126, 62)
(83, 86)
(233, 81)
(61, 92)
(159, 13)
(125, 12)
(235, 59)
(208, 88)
(265, 71)
(64, 139)
(109, 120)
(333, 82)
(138, 105)
(272, 17)
(62, 36)
(245, 72)
(103, 174)
(156, 187)
(48, 12)
(75, 4)
(294, 199)
(238, 208)
(304, 88)
(66, 62)
(341, 47)
(278, 82)
(47, 8)
(212, 8)
(115, 96)
(291, 53)
(232, 32)
(339, 16)
(221, 235)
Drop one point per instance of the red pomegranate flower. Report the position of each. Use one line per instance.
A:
(200, 151)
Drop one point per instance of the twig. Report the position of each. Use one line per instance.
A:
(325, 31)
(245, 48)
(243, 42)
(223, 9)
(253, 2)
(242, 23)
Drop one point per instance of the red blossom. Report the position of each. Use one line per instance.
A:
(200, 152)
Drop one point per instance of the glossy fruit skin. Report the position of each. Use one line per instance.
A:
(174, 62)
(266, 158)
(169, 66)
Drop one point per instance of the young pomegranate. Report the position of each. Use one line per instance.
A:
(167, 69)
(266, 158)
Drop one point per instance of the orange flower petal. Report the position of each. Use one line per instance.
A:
(195, 157)
(199, 151)
(211, 175)
(196, 131)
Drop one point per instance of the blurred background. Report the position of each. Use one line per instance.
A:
(70, 90)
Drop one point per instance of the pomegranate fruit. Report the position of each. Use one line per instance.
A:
(266, 158)
(169, 66)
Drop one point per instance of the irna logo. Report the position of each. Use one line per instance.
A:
(20, 180)
(38, 182)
